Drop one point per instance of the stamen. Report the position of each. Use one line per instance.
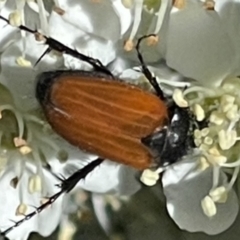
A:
(14, 182)
(219, 194)
(227, 139)
(205, 132)
(58, 10)
(149, 177)
(2, 3)
(208, 140)
(24, 150)
(19, 142)
(127, 3)
(197, 134)
(203, 164)
(209, 5)
(15, 19)
(34, 184)
(22, 62)
(161, 13)
(180, 4)
(216, 118)
(18, 116)
(226, 102)
(232, 114)
(34, 6)
(208, 206)
(234, 178)
(179, 98)
(43, 18)
(138, 6)
(199, 112)
(21, 209)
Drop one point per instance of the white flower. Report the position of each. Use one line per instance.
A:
(27, 143)
(204, 45)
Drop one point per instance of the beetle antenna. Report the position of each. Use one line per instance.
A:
(58, 46)
(152, 80)
(66, 186)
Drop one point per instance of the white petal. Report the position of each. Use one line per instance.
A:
(198, 45)
(229, 13)
(11, 198)
(90, 45)
(98, 19)
(21, 80)
(185, 188)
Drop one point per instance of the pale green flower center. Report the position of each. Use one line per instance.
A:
(217, 143)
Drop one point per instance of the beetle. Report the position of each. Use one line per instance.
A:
(101, 114)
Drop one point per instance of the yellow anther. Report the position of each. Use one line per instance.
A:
(179, 98)
(21, 61)
(149, 177)
(208, 206)
(205, 132)
(15, 19)
(227, 139)
(21, 209)
(232, 113)
(219, 194)
(197, 134)
(216, 118)
(24, 150)
(199, 112)
(203, 163)
(127, 3)
(34, 184)
(208, 140)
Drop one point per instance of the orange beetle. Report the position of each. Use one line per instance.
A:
(100, 115)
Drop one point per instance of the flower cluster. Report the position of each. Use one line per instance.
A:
(198, 39)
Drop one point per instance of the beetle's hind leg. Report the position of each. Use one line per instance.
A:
(66, 186)
(152, 80)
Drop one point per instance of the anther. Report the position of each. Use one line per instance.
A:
(180, 4)
(209, 5)
(216, 118)
(21, 209)
(208, 206)
(227, 139)
(34, 184)
(199, 112)
(15, 19)
(58, 10)
(24, 150)
(22, 62)
(129, 45)
(203, 164)
(219, 194)
(179, 98)
(19, 142)
(149, 177)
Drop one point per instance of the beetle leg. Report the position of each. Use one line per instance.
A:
(58, 46)
(66, 186)
(152, 80)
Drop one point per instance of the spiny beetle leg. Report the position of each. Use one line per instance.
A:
(66, 186)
